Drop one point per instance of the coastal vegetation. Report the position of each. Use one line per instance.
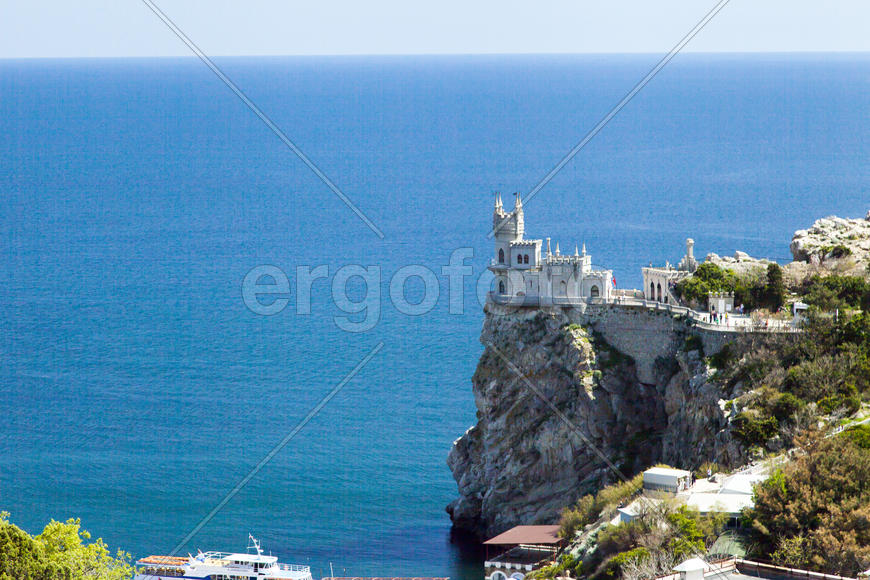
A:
(660, 536)
(60, 552)
(704, 401)
(754, 290)
(590, 507)
(814, 512)
(790, 382)
(836, 292)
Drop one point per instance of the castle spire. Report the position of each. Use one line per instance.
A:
(519, 203)
(548, 248)
(575, 250)
(584, 248)
(557, 249)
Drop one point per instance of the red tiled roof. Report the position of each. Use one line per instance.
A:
(545, 535)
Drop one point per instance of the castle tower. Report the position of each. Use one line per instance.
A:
(507, 227)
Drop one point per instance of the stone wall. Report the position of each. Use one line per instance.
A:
(643, 334)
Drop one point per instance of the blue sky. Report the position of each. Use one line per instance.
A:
(52, 28)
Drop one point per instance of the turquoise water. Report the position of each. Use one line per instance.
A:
(136, 388)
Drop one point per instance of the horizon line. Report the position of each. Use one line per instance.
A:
(442, 54)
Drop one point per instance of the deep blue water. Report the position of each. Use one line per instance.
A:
(136, 388)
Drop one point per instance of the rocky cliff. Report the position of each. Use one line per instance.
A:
(832, 245)
(646, 400)
(833, 238)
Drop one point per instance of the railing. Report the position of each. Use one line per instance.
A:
(763, 570)
(699, 319)
(759, 570)
(294, 568)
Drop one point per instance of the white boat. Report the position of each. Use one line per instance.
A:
(220, 566)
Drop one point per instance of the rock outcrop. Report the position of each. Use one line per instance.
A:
(832, 245)
(845, 242)
(741, 263)
(558, 407)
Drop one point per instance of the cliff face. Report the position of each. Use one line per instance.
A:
(522, 462)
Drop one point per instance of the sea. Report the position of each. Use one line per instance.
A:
(202, 340)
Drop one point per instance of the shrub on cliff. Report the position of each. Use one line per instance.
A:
(859, 435)
(787, 381)
(566, 563)
(836, 292)
(660, 536)
(753, 430)
(589, 508)
(59, 552)
(816, 511)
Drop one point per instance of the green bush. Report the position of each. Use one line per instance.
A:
(572, 520)
(566, 562)
(693, 342)
(831, 403)
(725, 355)
(835, 291)
(752, 430)
(613, 567)
(588, 508)
(837, 251)
(823, 496)
(859, 435)
(784, 405)
(701, 472)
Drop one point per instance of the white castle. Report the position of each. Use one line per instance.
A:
(523, 274)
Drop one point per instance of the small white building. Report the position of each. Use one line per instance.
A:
(692, 569)
(666, 479)
(529, 271)
(633, 510)
(720, 302)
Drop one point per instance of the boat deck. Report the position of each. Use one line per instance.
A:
(163, 560)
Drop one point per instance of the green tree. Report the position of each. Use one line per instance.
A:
(823, 497)
(775, 290)
(58, 553)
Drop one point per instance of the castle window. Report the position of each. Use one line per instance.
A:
(594, 292)
(501, 286)
(659, 287)
(652, 291)
(519, 259)
(500, 256)
(526, 259)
